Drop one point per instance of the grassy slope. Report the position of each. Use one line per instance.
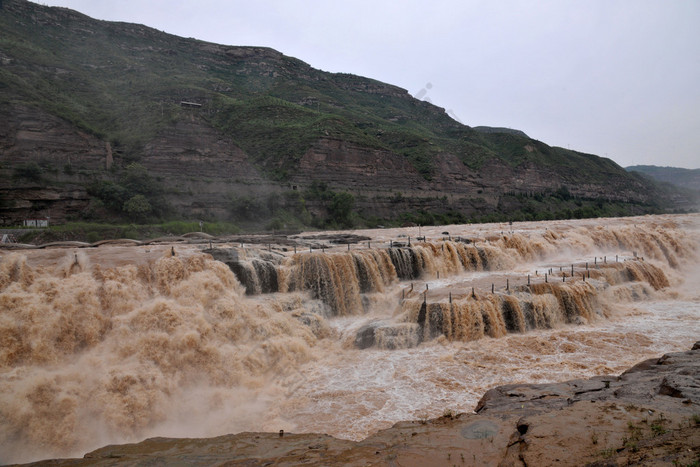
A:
(124, 82)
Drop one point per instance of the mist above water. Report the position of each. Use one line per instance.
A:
(99, 348)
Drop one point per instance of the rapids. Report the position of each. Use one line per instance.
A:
(116, 344)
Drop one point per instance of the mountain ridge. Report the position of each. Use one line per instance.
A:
(684, 178)
(214, 126)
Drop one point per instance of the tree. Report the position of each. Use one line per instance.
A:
(341, 208)
(137, 207)
(111, 194)
(563, 193)
(136, 179)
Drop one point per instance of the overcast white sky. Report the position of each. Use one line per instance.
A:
(617, 78)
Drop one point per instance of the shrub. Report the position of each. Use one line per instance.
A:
(137, 180)
(93, 237)
(112, 195)
(341, 208)
(276, 224)
(246, 208)
(137, 207)
(29, 171)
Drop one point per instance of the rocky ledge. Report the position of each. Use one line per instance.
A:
(648, 415)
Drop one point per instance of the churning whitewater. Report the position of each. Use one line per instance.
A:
(116, 344)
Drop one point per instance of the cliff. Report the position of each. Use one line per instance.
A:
(81, 100)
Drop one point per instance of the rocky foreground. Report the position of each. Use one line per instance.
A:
(649, 415)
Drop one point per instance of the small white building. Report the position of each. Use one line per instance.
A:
(36, 222)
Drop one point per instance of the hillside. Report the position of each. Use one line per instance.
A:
(684, 178)
(116, 121)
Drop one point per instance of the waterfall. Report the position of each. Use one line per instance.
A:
(116, 344)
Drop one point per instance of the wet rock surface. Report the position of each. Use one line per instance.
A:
(337, 238)
(648, 415)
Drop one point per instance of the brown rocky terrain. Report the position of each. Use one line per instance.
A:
(198, 166)
(30, 134)
(205, 166)
(81, 99)
(649, 415)
(201, 170)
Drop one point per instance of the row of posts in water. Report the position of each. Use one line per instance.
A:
(584, 275)
(392, 244)
(401, 245)
(550, 272)
(323, 248)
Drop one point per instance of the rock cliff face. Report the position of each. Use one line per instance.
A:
(202, 169)
(648, 415)
(66, 156)
(80, 99)
(343, 164)
(380, 175)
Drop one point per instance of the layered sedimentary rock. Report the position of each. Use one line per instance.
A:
(66, 156)
(202, 169)
(211, 122)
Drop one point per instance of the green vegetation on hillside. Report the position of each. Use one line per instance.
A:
(124, 83)
(128, 85)
(135, 194)
(288, 213)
